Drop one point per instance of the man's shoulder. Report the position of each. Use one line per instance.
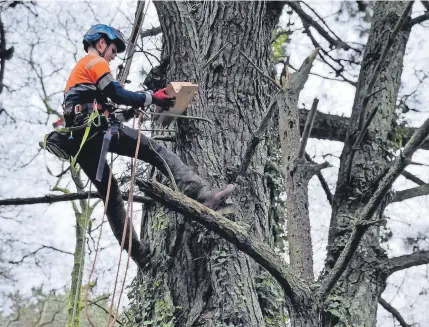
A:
(90, 61)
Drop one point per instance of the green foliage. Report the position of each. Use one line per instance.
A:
(271, 298)
(278, 204)
(150, 304)
(161, 220)
(281, 38)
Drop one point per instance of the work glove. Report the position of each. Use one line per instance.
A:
(163, 100)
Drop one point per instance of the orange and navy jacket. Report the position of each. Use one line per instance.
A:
(91, 79)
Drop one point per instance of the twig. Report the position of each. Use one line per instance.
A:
(322, 180)
(106, 311)
(394, 312)
(51, 198)
(306, 18)
(215, 55)
(277, 85)
(33, 253)
(257, 137)
(123, 74)
(359, 230)
(308, 127)
(362, 132)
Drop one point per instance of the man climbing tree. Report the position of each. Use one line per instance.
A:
(88, 114)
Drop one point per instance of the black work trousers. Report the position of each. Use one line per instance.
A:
(124, 143)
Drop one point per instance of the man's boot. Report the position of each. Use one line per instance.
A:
(214, 199)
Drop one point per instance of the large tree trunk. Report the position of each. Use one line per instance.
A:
(205, 280)
(358, 292)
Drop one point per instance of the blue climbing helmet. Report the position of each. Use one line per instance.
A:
(98, 31)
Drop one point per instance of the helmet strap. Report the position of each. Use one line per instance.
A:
(105, 50)
(101, 54)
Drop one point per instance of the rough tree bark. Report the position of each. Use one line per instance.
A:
(203, 280)
(206, 280)
(355, 298)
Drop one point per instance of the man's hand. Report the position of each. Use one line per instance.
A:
(163, 100)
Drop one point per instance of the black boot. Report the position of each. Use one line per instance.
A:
(214, 199)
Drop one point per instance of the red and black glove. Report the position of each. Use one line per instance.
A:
(163, 100)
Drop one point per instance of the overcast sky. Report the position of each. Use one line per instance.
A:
(54, 225)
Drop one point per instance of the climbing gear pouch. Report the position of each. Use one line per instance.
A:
(113, 130)
(54, 143)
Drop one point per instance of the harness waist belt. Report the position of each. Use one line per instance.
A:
(86, 109)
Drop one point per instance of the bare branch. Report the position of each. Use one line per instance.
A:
(412, 178)
(105, 310)
(257, 137)
(418, 20)
(33, 253)
(393, 311)
(359, 230)
(307, 18)
(139, 17)
(236, 233)
(52, 198)
(322, 180)
(152, 32)
(410, 193)
(277, 85)
(395, 264)
(215, 55)
(308, 127)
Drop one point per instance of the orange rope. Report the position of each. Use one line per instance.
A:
(127, 218)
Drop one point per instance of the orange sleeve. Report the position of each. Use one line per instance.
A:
(96, 68)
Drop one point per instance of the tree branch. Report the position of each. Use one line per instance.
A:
(274, 82)
(235, 233)
(307, 18)
(334, 128)
(412, 178)
(322, 180)
(402, 262)
(33, 253)
(393, 311)
(418, 20)
(410, 193)
(256, 138)
(52, 198)
(307, 128)
(381, 61)
(152, 32)
(365, 215)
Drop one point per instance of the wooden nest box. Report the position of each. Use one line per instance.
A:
(184, 93)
